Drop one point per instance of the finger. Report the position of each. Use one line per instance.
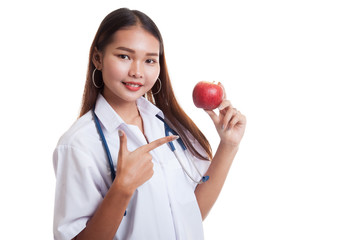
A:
(236, 119)
(224, 93)
(158, 143)
(123, 142)
(224, 104)
(214, 117)
(242, 119)
(228, 116)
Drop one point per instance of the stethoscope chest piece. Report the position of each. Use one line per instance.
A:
(204, 179)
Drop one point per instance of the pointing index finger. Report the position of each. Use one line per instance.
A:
(158, 143)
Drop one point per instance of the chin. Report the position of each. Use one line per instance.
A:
(123, 95)
(133, 96)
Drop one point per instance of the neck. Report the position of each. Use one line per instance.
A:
(127, 110)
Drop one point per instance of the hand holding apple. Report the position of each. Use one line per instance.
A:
(208, 95)
(229, 122)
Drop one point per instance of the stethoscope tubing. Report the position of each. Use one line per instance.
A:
(106, 147)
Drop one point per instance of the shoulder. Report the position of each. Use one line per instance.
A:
(82, 131)
(78, 146)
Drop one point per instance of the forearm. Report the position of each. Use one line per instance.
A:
(208, 192)
(107, 218)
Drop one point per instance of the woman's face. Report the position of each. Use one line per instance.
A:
(130, 64)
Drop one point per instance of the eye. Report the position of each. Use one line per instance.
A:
(123, 56)
(151, 61)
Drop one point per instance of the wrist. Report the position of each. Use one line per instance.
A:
(122, 189)
(229, 146)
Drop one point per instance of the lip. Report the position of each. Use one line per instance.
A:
(136, 83)
(132, 87)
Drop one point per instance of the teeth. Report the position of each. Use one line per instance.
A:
(132, 85)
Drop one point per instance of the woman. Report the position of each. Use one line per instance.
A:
(153, 193)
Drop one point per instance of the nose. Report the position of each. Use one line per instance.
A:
(136, 70)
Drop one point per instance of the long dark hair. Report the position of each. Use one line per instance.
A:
(165, 99)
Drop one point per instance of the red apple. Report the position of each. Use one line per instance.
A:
(207, 95)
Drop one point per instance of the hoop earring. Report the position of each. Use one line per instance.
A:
(93, 79)
(159, 87)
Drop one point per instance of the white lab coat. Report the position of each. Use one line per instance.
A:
(164, 207)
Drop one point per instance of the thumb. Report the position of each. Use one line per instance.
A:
(123, 142)
(212, 115)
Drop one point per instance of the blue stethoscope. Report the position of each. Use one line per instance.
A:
(168, 130)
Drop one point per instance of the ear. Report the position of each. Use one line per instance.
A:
(97, 59)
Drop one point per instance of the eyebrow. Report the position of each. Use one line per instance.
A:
(133, 51)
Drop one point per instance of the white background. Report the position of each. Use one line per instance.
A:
(292, 67)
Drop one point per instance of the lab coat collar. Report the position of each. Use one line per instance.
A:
(146, 107)
(112, 121)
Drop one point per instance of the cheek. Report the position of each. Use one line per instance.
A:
(113, 71)
(153, 73)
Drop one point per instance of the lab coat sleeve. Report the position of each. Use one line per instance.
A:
(78, 191)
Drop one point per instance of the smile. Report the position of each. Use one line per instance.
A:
(132, 86)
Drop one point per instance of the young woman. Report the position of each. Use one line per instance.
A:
(128, 107)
